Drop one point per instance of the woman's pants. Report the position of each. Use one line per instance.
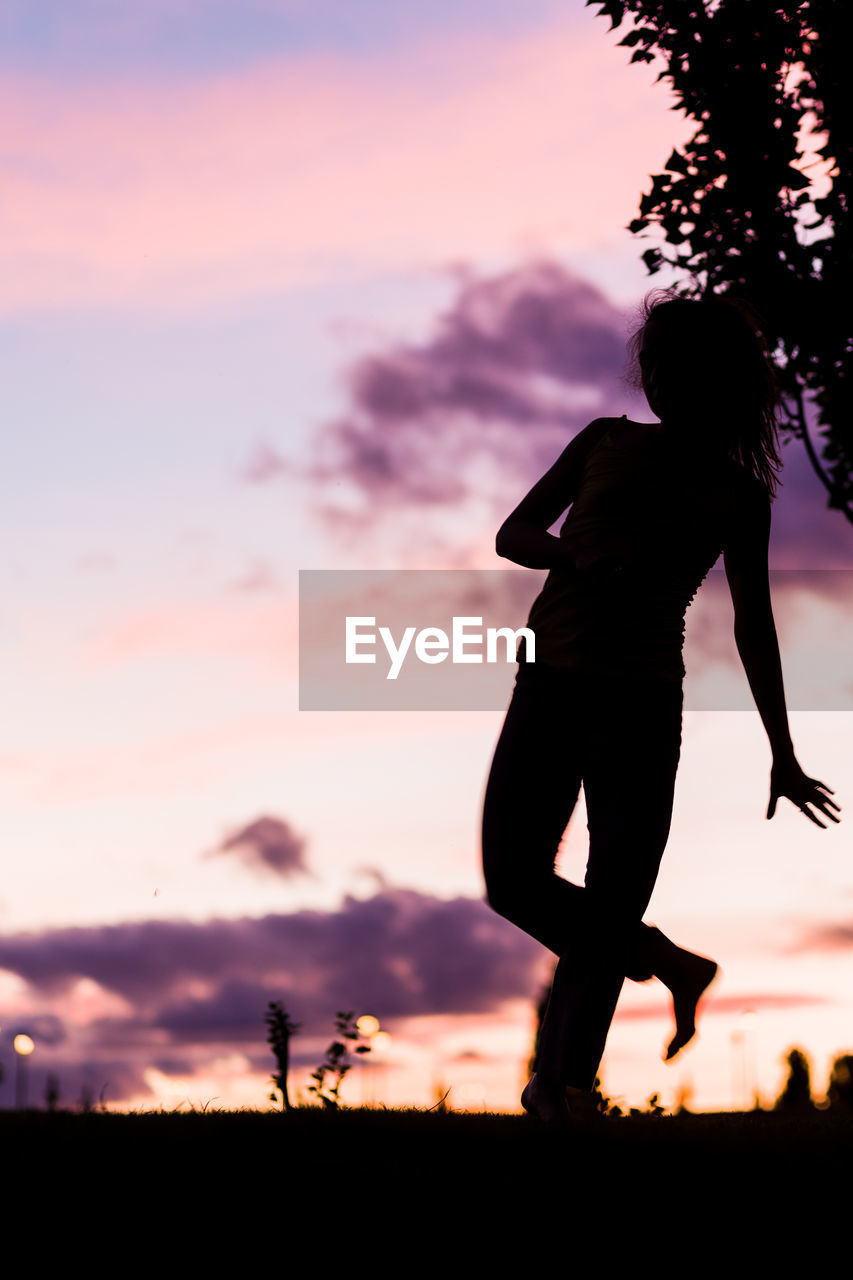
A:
(621, 738)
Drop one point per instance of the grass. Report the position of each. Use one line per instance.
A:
(312, 1135)
(316, 1178)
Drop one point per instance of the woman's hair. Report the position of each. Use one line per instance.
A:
(710, 354)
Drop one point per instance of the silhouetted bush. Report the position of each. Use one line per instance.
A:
(797, 1093)
(840, 1091)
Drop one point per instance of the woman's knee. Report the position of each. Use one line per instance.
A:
(504, 894)
(500, 893)
(520, 902)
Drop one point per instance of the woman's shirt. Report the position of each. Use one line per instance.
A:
(643, 498)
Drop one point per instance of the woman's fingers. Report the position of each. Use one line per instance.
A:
(826, 799)
(811, 816)
(803, 792)
(821, 801)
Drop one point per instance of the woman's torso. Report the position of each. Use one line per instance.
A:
(669, 515)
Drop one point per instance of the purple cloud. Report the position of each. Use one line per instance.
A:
(468, 419)
(196, 988)
(512, 368)
(267, 844)
(806, 534)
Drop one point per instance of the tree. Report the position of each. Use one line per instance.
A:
(738, 206)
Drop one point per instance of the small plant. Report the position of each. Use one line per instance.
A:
(653, 1107)
(281, 1028)
(335, 1064)
(441, 1104)
(606, 1106)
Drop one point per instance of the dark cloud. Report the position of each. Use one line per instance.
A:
(403, 953)
(806, 534)
(198, 987)
(139, 961)
(468, 419)
(267, 844)
(45, 1028)
(512, 369)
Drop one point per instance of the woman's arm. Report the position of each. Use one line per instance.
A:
(746, 563)
(523, 536)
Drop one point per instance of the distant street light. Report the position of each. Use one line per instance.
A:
(368, 1026)
(748, 1021)
(743, 1060)
(737, 1063)
(23, 1047)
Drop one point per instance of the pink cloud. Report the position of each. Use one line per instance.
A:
(182, 194)
(260, 629)
(750, 1002)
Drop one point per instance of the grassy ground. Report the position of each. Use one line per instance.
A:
(734, 1181)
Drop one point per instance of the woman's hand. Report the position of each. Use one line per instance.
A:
(788, 779)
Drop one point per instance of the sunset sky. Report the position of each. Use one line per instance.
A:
(315, 284)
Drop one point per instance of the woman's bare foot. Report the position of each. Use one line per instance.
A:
(545, 1100)
(556, 1103)
(687, 976)
(688, 984)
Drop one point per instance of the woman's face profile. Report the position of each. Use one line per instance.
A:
(668, 367)
(649, 358)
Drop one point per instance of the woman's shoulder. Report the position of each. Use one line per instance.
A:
(623, 428)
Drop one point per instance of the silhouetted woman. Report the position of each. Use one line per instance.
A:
(652, 507)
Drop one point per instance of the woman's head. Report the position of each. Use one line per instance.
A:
(703, 363)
